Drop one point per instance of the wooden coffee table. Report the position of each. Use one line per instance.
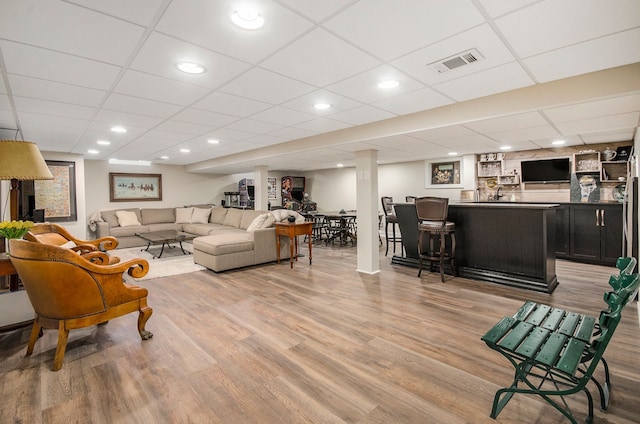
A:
(165, 238)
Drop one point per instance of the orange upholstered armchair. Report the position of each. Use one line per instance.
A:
(57, 235)
(68, 291)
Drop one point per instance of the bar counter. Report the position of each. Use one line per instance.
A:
(505, 243)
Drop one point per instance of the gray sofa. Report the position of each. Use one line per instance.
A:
(227, 238)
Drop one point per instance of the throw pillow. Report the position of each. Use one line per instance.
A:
(127, 218)
(200, 216)
(68, 245)
(258, 222)
(183, 215)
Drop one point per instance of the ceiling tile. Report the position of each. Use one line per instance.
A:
(208, 24)
(604, 123)
(290, 133)
(305, 103)
(266, 86)
(522, 134)
(415, 101)
(203, 117)
(126, 119)
(322, 125)
(316, 10)
(388, 30)
(230, 104)
(24, 104)
(283, 116)
(511, 122)
(68, 28)
(497, 8)
(509, 77)
(161, 53)
(253, 126)
(319, 58)
(362, 115)
(594, 109)
(54, 91)
(610, 137)
(140, 11)
(492, 49)
(613, 50)
(183, 127)
(49, 65)
(152, 87)
(130, 104)
(589, 19)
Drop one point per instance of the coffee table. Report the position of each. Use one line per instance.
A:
(165, 237)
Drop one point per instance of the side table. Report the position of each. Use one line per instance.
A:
(15, 308)
(293, 230)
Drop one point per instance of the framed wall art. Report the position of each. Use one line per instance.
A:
(443, 174)
(125, 187)
(272, 189)
(57, 197)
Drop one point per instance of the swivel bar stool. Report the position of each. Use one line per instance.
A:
(390, 219)
(432, 224)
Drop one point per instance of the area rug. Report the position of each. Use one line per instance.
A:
(172, 262)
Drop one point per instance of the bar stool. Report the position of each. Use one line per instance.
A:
(410, 199)
(432, 223)
(390, 218)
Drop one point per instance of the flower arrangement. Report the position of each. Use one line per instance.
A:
(14, 229)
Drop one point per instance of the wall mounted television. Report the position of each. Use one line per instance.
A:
(546, 171)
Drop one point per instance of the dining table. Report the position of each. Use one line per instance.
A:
(341, 226)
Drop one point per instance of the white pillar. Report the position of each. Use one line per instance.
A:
(367, 206)
(260, 182)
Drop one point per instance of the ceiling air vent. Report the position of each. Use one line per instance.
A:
(457, 60)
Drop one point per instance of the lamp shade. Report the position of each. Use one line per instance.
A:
(21, 160)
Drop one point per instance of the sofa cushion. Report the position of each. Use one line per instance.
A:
(128, 231)
(127, 218)
(218, 214)
(233, 218)
(160, 215)
(264, 220)
(223, 244)
(111, 218)
(183, 215)
(248, 215)
(163, 226)
(200, 216)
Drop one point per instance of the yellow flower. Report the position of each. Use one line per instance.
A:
(14, 229)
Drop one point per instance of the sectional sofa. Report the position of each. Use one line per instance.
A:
(227, 238)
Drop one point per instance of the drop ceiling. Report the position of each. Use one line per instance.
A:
(71, 70)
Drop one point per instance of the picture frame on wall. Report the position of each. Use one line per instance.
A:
(443, 173)
(125, 187)
(57, 197)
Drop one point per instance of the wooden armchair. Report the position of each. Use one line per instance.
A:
(57, 235)
(68, 291)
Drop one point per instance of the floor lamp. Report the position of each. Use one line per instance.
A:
(20, 160)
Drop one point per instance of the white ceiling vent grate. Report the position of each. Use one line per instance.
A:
(457, 60)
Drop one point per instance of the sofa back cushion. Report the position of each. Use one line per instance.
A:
(218, 214)
(248, 216)
(158, 215)
(183, 215)
(233, 218)
(127, 218)
(111, 218)
(200, 215)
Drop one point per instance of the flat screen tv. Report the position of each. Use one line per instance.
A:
(546, 171)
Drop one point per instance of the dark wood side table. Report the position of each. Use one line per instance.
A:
(293, 230)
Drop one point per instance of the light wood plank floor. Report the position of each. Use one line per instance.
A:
(312, 344)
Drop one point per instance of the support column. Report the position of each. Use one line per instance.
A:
(367, 206)
(261, 193)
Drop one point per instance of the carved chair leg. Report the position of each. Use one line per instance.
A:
(63, 336)
(35, 334)
(143, 317)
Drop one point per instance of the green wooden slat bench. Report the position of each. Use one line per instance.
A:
(549, 345)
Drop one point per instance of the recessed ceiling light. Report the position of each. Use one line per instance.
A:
(164, 157)
(505, 147)
(558, 142)
(120, 130)
(339, 165)
(93, 151)
(390, 83)
(184, 150)
(130, 162)
(322, 105)
(191, 67)
(213, 141)
(453, 153)
(247, 18)
(103, 142)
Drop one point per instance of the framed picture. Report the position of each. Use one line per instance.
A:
(443, 174)
(134, 187)
(57, 197)
(272, 189)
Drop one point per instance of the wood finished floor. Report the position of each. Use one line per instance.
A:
(319, 344)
